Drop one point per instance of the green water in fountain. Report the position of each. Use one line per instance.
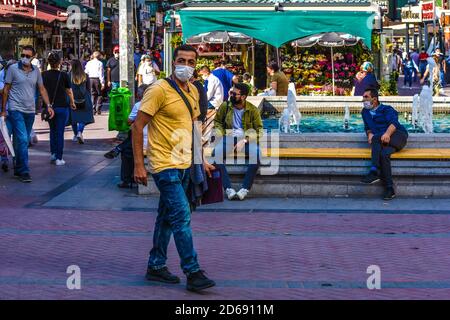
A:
(334, 123)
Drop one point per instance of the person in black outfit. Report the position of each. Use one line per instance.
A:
(59, 89)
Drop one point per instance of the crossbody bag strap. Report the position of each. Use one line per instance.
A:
(56, 88)
(178, 90)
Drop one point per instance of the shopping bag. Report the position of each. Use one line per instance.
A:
(5, 136)
(214, 194)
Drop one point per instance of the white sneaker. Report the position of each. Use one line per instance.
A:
(80, 138)
(242, 194)
(60, 162)
(231, 193)
(74, 139)
(53, 157)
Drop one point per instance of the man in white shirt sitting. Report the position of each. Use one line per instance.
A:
(94, 69)
(214, 88)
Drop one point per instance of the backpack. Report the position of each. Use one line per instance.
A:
(79, 95)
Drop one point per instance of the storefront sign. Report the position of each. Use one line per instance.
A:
(18, 3)
(383, 4)
(428, 10)
(7, 32)
(412, 14)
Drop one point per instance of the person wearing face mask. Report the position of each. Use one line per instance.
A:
(113, 70)
(170, 108)
(213, 87)
(21, 82)
(386, 136)
(148, 71)
(238, 126)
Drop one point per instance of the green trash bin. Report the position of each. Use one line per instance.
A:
(119, 109)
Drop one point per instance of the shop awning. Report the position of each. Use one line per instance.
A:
(279, 27)
(28, 12)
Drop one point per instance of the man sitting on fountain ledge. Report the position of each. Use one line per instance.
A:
(243, 121)
(386, 135)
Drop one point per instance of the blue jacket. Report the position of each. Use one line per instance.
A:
(384, 117)
(226, 78)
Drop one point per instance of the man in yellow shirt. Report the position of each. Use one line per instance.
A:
(170, 132)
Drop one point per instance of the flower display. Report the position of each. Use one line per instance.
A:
(312, 71)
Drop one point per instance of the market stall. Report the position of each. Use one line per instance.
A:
(216, 46)
(283, 23)
(324, 64)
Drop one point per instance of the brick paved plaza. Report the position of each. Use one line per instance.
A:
(259, 249)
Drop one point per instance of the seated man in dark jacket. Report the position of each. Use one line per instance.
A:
(386, 135)
(238, 127)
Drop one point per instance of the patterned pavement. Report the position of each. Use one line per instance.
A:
(251, 255)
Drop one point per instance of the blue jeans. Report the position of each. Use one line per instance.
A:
(78, 128)
(408, 76)
(21, 125)
(252, 152)
(174, 216)
(57, 128)
(442, 78)
(422, 67)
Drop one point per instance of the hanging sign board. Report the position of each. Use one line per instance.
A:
(412, 14)
(428, 10)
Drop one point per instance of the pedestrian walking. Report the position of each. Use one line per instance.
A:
(94, 69)
(148, 71)
(21, 82)
(409, 67)
(84, 113)
(169, 108)
(423, 56)
(214, 88)
(57, 83)
(113, 70)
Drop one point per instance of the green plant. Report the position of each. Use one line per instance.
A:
(162, 75)
(389, 87)
(176, 41)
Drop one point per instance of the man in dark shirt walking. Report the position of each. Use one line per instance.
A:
(386, 136)
(113, 70)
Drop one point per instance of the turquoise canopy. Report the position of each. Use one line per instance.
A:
(278, 27)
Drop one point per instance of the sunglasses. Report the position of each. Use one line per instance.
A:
(25, 56)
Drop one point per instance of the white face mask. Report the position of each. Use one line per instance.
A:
(367, 105)
(183, 73)
(26, 61)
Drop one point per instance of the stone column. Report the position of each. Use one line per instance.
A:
(126, 40)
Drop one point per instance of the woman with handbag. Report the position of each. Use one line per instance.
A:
(83, 114)
(58, 87)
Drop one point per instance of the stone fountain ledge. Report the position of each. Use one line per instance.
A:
(314, 177)
(335, 177)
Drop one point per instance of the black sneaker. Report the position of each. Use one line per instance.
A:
(197, 281)
(25, 178)
(114, 153)
(389, 194)
(370, 178)
(161, 275)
